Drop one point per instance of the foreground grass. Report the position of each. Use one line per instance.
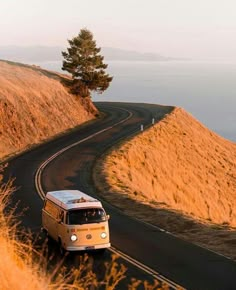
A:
(22, 267)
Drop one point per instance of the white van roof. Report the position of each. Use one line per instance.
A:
(72, 199)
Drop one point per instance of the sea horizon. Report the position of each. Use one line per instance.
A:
(206, 89)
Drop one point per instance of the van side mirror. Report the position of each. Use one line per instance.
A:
(108, 217)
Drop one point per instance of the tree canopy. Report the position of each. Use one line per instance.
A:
(83, 61)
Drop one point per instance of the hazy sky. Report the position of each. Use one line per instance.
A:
(178, 28)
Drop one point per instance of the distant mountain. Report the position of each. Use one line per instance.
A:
(31, 53)
(47, 53)
(121, 54)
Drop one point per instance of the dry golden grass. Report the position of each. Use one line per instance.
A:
(16, 268)
(34, 105)
(182, 175)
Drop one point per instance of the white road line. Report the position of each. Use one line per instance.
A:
(146, 269)
(39, 188)
(39, 171)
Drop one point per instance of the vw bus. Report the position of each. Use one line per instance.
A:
(75, 220)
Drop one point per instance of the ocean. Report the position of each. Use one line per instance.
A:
(207, 90)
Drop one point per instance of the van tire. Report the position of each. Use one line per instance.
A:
(61, 249)
(44, 232)
(45, 235)
(101, 251)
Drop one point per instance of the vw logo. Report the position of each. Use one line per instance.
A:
(88, 237)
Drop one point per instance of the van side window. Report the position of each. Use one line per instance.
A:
(51, 209)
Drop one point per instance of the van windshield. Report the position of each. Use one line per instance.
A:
(85, 216)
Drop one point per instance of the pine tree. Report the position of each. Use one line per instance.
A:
(83, 61)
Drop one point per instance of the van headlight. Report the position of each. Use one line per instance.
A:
(73, 238)
(103, 235)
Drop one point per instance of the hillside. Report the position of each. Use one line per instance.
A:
(35, 106)
(183, 174)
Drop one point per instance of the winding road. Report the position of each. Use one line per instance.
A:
(147, 251)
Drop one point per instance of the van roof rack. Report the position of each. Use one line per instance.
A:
(71, 199)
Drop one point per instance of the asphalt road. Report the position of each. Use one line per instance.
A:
(186, 264)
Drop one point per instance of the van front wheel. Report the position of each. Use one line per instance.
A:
(61, 249)
(101, 251)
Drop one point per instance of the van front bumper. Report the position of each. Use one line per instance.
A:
(87, 248)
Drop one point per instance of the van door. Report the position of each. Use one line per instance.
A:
(50, 219)
(61, 225)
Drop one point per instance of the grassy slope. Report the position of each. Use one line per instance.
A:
(185, 171)
(34, 106)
